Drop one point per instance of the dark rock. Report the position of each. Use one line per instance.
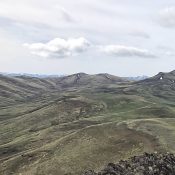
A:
(146, 164)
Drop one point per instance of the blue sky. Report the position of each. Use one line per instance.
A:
(121, 37)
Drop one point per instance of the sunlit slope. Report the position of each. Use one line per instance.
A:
(67, 124)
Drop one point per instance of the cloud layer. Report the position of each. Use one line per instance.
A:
(133, 28)
(35, 14)
(59, 48)
(167, 17)
(126, 51)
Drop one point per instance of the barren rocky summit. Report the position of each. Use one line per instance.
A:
(146, 164)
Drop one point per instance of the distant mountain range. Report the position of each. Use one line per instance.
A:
(62, 125)
(137, 78)
(31, 75)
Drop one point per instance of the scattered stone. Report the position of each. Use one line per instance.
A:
(146, 164)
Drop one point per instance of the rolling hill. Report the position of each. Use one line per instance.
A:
(66, 125)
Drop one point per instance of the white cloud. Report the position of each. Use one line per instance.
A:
(170, 54)
(58, 48)
(100, 21)
(126, 51)
(65, 15)
(138, 33)
(33, 13)
(167, 17)
(166, 51)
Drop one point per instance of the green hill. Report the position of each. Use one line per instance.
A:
(63, 125)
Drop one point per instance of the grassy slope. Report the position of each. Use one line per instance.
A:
(78, 128)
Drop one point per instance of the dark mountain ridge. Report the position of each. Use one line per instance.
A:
(161, 77)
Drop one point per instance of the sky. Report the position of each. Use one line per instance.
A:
(120, 37)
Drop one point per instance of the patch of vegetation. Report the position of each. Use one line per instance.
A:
(66, 125)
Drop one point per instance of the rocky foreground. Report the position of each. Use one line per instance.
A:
(146, 164)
